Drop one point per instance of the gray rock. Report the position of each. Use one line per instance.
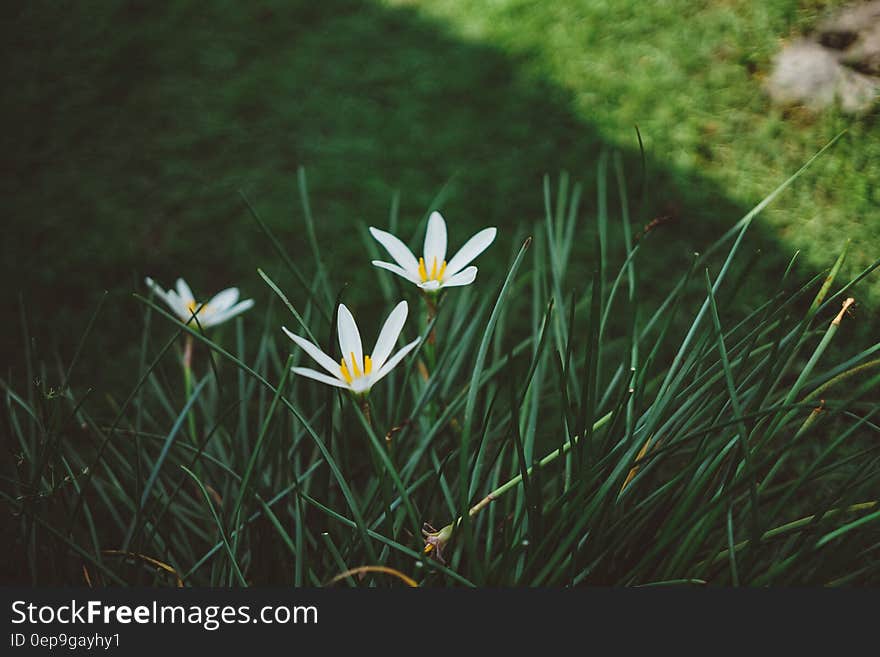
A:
(839, 64)
(855, 33)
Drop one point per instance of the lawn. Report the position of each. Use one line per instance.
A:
(694, 88)
(132, 128)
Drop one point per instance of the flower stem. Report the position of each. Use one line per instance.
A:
(365, 409)
(430, 347)
(547, 460)
(430, 314)
(794, 525)
(515, 481)
(188, 384)
(377, 463)
(807, 370)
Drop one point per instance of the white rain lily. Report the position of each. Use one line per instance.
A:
(220, 308)
(357, 371)
(432, 272)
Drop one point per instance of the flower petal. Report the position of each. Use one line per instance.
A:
(397, 250)
(153, 285)
(397, 269)
(349, 339)
(435, 241)
(472, 248)
(361, 385)
(179, 306)
(224, 300)
(465, 277)
(388, 335)
(185, 293)
(170, 297)
(214, 319)
(159, 292)
(393, 361)
(319, 376)
(315, 352)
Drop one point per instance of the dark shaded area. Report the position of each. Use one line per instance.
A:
(131, 126)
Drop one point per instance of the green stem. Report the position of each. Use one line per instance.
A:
(515, 481)
(794, 525)
(817, 354)
(430, 349)
(188, 385)
(843, 376)
(795, 389)
(365, 409)
(386, 480)
(547, 460)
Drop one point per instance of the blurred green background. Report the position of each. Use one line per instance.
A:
(130, 126)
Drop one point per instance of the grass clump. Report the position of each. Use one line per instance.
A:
(557, 429)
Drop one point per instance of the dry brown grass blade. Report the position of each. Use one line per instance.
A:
(86, 576)
(635, 469)
(159, 564)
(360, 570)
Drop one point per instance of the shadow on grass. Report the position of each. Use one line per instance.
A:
(132, 126)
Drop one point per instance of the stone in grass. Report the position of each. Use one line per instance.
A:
(840, 64)
(855, 33)
(806, 73)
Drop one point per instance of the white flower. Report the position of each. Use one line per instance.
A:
(357, 371)
(221, 307)
(431, 272)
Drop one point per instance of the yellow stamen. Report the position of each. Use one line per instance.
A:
(368, 365)
(436, 273)
(194, 306)
(354, 363)
(343, 368)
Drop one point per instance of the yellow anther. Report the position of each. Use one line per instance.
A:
(194, 306)
(354, 363)
(368, 365)
(436, 273)
(343, 368)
